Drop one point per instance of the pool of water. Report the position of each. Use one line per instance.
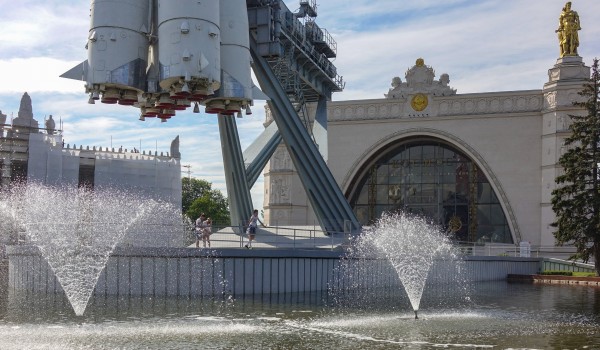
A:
(495, 315)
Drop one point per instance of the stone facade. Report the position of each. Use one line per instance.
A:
(514, 137)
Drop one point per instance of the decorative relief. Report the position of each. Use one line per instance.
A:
(507, 105)
(469, 106)
(495, 105)
(337, 112)
(449, 106)
(534, 102)
(420, 80)
(419, 102)
(371, 111)
(384, 110)
(280, 190)
(456, 107)
(281, 160)
(482, 105)
(349, 112)
(550, 99)
(360, 112)
(444, 107)
(420, 96)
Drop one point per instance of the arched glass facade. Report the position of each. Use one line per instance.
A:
(430, 177)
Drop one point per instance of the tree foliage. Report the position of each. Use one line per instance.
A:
(198, 197)
(576, 200)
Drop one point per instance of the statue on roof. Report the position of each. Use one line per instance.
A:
(568, 26)
(25, 115)
(50, 125)
(420, 79)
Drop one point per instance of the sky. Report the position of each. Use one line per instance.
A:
(484, 45)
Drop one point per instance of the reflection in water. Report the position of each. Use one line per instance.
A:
(497, 315)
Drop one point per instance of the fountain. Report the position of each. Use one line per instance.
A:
(69, 225)
(411, 245)
(76, 229)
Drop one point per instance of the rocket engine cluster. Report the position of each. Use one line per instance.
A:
(162, 56)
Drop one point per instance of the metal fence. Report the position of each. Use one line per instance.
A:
(272, 237)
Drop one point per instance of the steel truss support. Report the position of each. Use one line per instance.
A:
(331, 207)
(260, 151)
(238, 189)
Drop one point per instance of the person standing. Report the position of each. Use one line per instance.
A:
(199, 229)
(251, 231)
(206, 232)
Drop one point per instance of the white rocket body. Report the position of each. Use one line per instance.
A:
(164, 55)
(236, 83)
(117, 50)
(188, 41)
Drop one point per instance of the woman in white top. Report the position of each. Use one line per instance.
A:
(251, 231)
(206, 232)
(199, 229)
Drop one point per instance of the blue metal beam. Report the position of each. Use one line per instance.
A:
(260, 151)
(331, 207)
(238, 191)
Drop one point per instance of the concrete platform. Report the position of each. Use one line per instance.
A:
(289, 237)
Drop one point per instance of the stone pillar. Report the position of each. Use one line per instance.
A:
(566, 80)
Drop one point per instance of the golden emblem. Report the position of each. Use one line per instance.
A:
(454, 224)
(419, 102)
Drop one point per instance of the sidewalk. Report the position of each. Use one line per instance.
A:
(289, 237)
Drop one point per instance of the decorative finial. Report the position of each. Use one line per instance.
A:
(420, 62)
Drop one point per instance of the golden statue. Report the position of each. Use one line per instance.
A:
(568, 25)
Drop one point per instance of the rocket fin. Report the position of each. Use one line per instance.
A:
(203, 62)
(258, 94)
(78, 72)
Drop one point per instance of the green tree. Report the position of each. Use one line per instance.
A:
(576, 200)
(199, 197)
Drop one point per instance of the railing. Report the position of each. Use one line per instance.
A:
(514, 250)
(551, 264)
(273, 237)
(282, 237)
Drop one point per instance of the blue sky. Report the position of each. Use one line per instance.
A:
(484, 45)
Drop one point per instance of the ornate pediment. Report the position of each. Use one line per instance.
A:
(420, 80)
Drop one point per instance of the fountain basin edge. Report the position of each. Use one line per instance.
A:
(189, 272)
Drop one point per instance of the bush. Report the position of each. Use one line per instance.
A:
(558, 273)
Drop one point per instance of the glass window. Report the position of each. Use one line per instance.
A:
(432, 178)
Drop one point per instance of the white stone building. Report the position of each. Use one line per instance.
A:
(31, 153)
(482, 165)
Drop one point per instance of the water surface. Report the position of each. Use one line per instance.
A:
(489, 316)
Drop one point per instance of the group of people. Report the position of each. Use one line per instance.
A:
(204, 229)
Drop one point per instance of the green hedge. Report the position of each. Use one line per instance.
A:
(559, 273)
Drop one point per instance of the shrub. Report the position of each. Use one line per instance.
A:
(558, 273)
